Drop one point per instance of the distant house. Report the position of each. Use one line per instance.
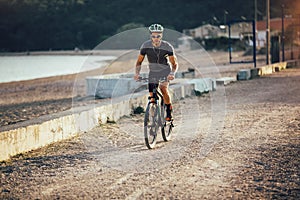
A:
(208, 31)
(185, 42)
(275, 29)
(240, 31)
(204, 32)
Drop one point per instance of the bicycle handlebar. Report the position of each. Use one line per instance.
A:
(147, 79)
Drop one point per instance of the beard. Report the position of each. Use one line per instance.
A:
(156, 43)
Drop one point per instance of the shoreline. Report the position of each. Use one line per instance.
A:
(108, 52)
(32, 61)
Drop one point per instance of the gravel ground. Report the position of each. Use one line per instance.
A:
(239, 142)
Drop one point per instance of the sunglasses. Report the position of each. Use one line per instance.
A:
(156, 36)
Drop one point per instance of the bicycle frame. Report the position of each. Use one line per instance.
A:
(158, 96)
(150, 129)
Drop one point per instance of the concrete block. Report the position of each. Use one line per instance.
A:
(293, 63)
(280, 66)
(105, 87)
(244, 74)
(87, 120)
(189, 74)
(254, 73)
(69, 126)
(203, 84)
(101, 114)
(188, 90)
(5, 146)
(211, 83)
(140, 101)
(45, 128)
(225, 80)
(176, 92)
(180, 91)
(269, 69)
(32, 138)
(120, 109)
(265, 70)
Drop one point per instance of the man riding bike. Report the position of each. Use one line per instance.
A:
(162, 64)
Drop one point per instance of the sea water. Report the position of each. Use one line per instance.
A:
(18, 68)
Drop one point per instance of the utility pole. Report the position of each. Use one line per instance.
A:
(225, 13)
(255, 11)
(255, 32)
(268, 32)
(282, 32)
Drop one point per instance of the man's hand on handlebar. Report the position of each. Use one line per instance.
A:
(171, 76)
(137, 77)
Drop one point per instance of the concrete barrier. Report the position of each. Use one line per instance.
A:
(203, 85)
(280, 66)
(254, 73)
(111, 87)
(114, 85)
(225, 80)
(269, 69)
(293, 63)
(244, 74)
(33, 136)
(43, 131)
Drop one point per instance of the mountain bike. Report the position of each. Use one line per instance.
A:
(155, 119)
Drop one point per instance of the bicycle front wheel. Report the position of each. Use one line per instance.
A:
(151, 125)
(167, 126)
(167, 130)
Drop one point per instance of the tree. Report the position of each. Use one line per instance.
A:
(129, 26)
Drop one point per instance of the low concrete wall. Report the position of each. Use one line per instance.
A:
(246, 74)
(269, 69)
(49, 129)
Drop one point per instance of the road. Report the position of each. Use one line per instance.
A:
(239, 142)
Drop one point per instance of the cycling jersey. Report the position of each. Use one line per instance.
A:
(157, 58)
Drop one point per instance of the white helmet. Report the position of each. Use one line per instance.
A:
(156, 28)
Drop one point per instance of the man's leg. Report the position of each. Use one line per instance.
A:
(167, 100)
(151, 87)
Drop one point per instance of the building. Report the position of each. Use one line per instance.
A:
(241, 30)
(204, 32)
(275, 29)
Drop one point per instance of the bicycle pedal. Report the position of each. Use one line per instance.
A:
(169, 120)
(169, 123)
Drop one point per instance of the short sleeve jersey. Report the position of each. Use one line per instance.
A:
(157, 55)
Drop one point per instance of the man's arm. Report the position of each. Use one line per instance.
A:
(138, 66)
(173, 61)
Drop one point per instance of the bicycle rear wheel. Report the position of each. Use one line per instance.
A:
(151, 125)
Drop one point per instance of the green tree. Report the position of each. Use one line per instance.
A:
(129, 26)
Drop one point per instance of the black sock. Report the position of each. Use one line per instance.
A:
(169, 107)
